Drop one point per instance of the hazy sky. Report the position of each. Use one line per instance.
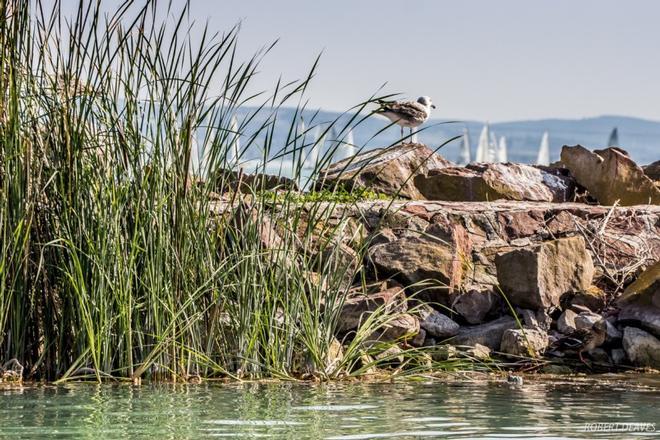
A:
(478, 59)
(491, 60)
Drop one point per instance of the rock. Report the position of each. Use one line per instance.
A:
(641, 315)
(652, 171)
(557, 369)
(334, 356)
(342, 262)
(592, 298)
(436, 324)
(249, 183)
(392, 171)
(640, 302)
(566, 322)
(618, 356)
(524, 342)
(248, 220)
(479, 352)
(444, 352)
(475, 302)
(614, 335)
(402, 326)
(610, 175)
(488, 334)
(586, 320)
(357, 308)
(643, 349)
(599, 355)
(645, 289)
(538, 276)
(419, 339)
(417, 259)
(538, 320)
(393, 354)
(491, 181)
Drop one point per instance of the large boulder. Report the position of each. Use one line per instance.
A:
(610, 175)
(392, 171)
(418, 259)
(401, 326)
(488, 334)
(491, 181)
(640, 302)
(342, 262)
(524, 342)
(643, 349)
(645, 289)
(357, 307)
(537, 277)
(653, 171)
(647, 317)
(475, 303)
(436, 324)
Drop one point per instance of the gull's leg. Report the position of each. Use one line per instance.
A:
(401, 133)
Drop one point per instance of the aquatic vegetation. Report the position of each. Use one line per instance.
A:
(113, 262)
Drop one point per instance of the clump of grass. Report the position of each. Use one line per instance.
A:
(114, 264)
(338, 195)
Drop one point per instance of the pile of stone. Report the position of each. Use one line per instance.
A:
(501, 259)
(477, 245)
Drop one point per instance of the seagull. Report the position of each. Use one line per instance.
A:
(409, 114)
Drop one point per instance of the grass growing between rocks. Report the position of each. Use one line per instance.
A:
(113, 263)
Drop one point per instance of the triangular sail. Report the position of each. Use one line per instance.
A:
(502, 154)
(349, 144)
(482, 147)
(614, 138)
(234, 143)
(544, 150)
(316, 144)
(492, 148)
(465, 156)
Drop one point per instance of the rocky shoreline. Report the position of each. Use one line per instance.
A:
(503, 261)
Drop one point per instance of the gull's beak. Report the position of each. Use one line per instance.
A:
(432, 106)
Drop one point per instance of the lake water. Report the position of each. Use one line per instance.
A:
(423, 409)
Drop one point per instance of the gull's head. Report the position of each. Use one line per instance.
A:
(425, 101)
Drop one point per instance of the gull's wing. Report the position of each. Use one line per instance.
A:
(408, 110)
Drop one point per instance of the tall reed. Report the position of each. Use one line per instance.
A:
(114, 258)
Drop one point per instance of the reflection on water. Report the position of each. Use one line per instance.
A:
(334, 411)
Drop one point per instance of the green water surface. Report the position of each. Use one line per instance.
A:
(421, 409)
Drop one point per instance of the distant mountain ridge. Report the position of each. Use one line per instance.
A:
(640, 137)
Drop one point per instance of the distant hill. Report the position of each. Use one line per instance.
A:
(641, 138)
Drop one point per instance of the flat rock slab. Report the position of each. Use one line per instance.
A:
(484, 182)
(537, 277)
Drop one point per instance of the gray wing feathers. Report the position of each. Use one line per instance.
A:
(408, 110)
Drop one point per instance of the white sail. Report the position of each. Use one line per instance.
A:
(502, 154)
(544, 150)
(234, 143)
(492, 148)
(316, 144)
(465, 156)
(349, 145)
(482, 147)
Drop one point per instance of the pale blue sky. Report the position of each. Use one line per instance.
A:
(478, 59)
(491, 60)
